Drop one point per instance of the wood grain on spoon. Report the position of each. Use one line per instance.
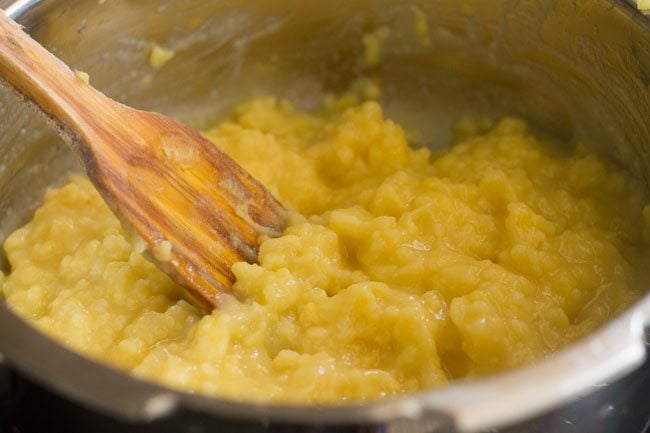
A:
(197, 210)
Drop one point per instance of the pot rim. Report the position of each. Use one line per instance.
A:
(468, 405)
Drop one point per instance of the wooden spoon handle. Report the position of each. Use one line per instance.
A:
(53, 87)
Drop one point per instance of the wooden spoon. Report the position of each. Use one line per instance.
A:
(196, 209)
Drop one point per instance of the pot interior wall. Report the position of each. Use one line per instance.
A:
(579, 70)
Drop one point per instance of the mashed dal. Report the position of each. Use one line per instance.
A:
(400, 270)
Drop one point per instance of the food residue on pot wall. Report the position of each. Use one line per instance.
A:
(159, 56)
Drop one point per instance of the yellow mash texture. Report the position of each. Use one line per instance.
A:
(400, 270)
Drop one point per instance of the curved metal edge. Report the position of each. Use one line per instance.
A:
(631, 8)
(635, 5)
(19, 7)
(98, 386)
(507, 398)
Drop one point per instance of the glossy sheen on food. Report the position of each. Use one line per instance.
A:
(400, 270)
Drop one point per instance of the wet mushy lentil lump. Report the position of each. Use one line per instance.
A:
(400, 271)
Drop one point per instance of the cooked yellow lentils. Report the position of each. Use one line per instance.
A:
(401, 269)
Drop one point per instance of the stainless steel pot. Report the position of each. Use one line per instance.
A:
(577, 69)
